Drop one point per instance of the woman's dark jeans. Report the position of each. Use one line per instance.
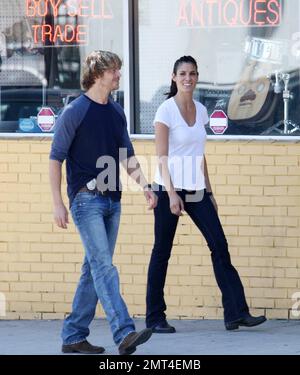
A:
(204, 215)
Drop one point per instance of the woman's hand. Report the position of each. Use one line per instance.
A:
(151, 199)
(176, 204)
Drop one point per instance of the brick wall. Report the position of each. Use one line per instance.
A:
(256, 184)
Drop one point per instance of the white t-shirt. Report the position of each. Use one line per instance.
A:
(186, 146)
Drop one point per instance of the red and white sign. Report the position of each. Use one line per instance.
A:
(218, 122)
(46, 119)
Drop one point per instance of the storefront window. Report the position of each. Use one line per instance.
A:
(42, 46)
(248, 53)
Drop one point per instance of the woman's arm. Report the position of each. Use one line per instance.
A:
(162, 151)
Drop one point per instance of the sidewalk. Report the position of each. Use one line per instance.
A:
(193, 337)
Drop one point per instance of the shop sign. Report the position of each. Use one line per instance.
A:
(46, 119)
(218, 122)
(229, 13)
(76, 15)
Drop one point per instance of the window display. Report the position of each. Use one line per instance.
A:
(42, 46)
(248, 53)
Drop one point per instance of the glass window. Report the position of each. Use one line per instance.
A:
(42, 46)
(248, 54)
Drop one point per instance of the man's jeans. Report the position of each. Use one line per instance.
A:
(97, 219)
(206, 219)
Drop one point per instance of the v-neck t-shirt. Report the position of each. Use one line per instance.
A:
(186, 146)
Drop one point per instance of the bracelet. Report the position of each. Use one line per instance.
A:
(147, 186)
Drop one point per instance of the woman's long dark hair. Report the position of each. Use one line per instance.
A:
(184, 59)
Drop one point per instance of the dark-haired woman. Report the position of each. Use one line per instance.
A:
(182, 184)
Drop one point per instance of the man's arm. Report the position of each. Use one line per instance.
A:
(60, 211)
(134, 170)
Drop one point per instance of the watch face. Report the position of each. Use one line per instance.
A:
(91, 185)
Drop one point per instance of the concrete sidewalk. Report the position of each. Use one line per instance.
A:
(193, 337)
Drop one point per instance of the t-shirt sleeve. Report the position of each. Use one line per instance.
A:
(65, 131)
(126, 144)
(163, 115)
(203, 113)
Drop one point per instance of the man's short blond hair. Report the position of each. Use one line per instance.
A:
(95, 65)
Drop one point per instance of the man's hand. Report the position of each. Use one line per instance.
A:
(151, 198)
(61, 216)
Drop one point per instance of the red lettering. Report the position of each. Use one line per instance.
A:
(197, 16)
(82, 8)
(105, 15)
(82, 33)
(183, 17)
(46, 31)
(101, 7)
(276, 12)
(58, 34)
(30, 8)
(234, 13)
(210, 4)
(35, 33)
(69, 34)
(234, 19)
(36, 8)
(63, 33)
(42, 8)
(258, 12)
(71, 8)
(243, 11)
(55, 5)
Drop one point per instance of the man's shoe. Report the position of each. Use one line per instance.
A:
(133, 339)
(163, 327)
(248, 321)
(83, 347)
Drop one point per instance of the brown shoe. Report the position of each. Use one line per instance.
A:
(129, 344)
(83, 347)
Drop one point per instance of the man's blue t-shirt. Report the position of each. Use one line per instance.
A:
(85, 132)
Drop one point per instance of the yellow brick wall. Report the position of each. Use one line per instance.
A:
(257, 186)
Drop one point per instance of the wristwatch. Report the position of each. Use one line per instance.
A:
(209, 193)
(147, 187)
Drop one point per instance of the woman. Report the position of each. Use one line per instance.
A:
(183, 185)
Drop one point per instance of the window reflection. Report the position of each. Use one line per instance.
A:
(42, 46)
(241, 47)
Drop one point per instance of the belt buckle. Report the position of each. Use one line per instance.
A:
(92, 185)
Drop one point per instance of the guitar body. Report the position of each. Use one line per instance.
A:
(253, 99)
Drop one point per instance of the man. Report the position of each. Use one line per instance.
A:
(89, 135)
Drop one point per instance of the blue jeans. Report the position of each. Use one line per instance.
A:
(206, 219)
(97, 219)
